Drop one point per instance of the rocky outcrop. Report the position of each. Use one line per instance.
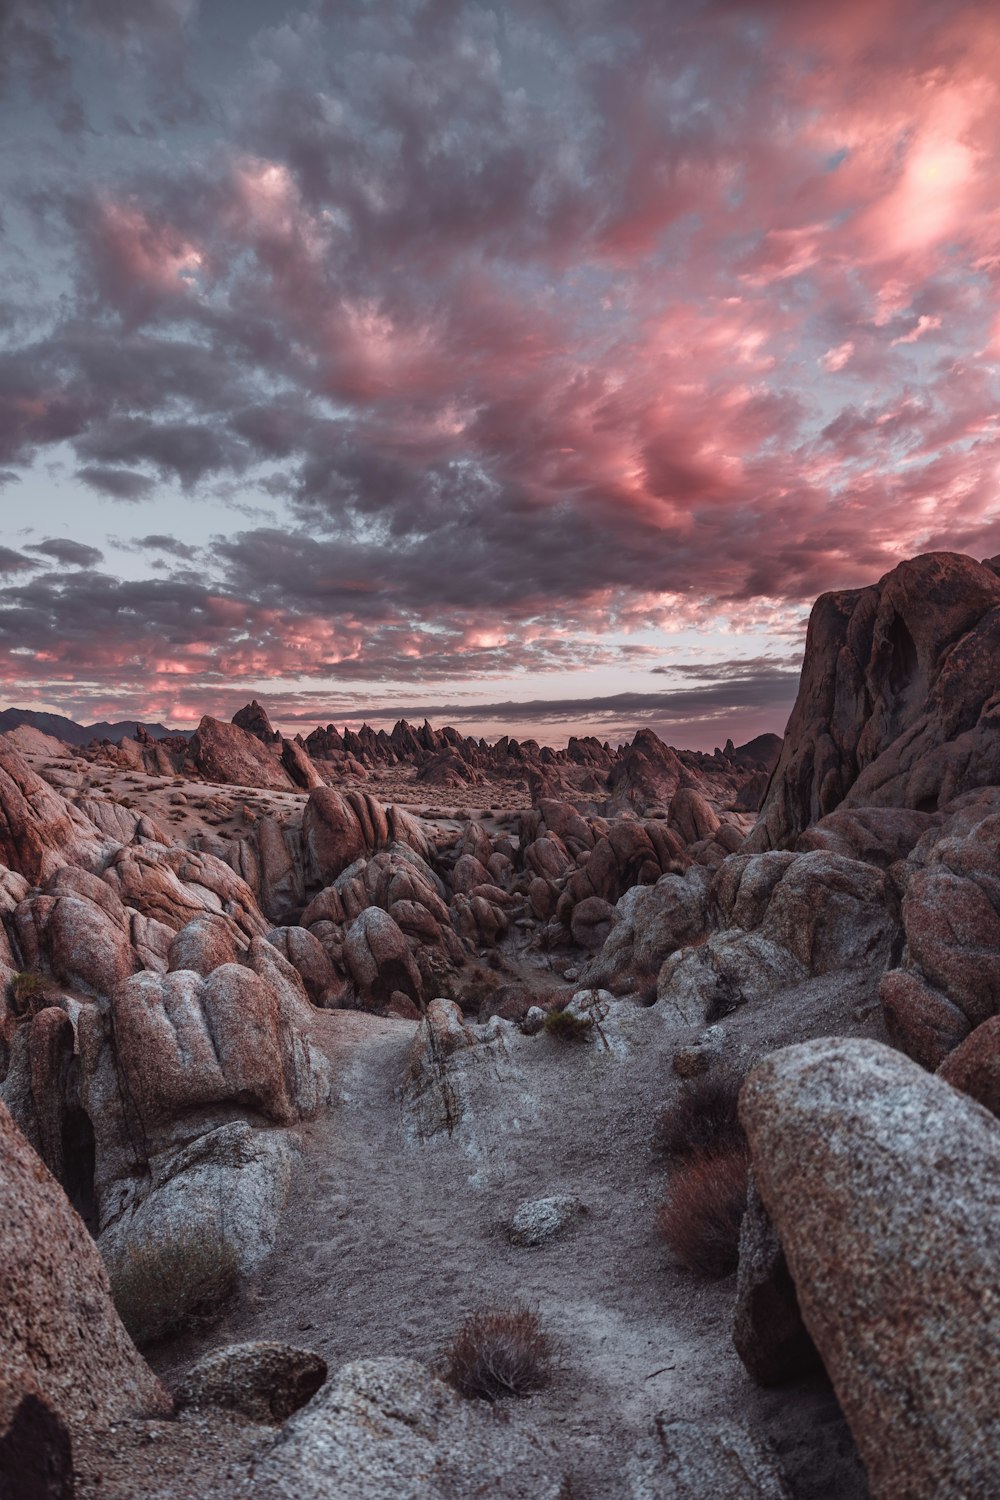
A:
(784, 919)
(949, 979)
(235, 757)
(339, 829)
(388, 1427)
(883, 1184)
(59, 1332)
(898, 704)
(252, 719)
(39, 829)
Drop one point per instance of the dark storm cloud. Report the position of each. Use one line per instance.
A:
(71, 554)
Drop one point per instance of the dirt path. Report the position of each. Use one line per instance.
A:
(388, 1242)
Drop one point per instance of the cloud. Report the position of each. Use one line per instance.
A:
(168, 544)
(71, 554)
(14, 562)
(117, 484)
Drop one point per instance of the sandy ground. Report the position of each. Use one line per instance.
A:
(388, 1242)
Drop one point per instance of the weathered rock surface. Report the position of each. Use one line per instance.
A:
(263, 1381)
(388, 1427)
(58, 1327)
(883, 1184)
(36, 1451)
(695, 1460)
(236, 756)
(898, 704)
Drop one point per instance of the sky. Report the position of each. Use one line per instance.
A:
(532, 366)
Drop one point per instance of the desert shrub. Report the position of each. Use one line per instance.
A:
(499, 1351)
(703, 1117)
(172, 1284)
(567, 1026)
(701, 1215)
(27, 990)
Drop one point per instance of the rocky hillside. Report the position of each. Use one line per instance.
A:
(296, 1079)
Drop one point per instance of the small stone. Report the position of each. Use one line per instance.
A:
(536, 1221)
(533, 1021)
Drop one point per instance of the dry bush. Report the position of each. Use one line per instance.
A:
(567, 1026)
(28, 991)
(701, 1215)
(169, 1285)
(704, 1117)
(499, 1351)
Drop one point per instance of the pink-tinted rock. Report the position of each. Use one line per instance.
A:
(58, 1326)
(897, 705)
(920, 1020)
(230, 755)
(974, 1066)
(380, 959)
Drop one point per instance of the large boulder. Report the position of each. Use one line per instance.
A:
(898, 704)
(388, 1427)
(236, 757)
(379, 959)
(883, 1184)
(59, 1332)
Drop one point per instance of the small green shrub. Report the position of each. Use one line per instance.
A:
(170, 1285)
(567, 1026)
(701, 1215)
(499, 1351)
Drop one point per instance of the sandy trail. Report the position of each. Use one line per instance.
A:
(387, 1242)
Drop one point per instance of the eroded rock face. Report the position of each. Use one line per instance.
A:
(39, 829)
(388, 1427)
(58, 1326)
(883, 1184)
(263, 1381)
(898, 705)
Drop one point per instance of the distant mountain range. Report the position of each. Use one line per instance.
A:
(72, 733)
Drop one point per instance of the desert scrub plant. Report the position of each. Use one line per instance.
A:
(701, 1215)
(703, 1117)
(172, 1284)
(499, 1351)
(27, 990)
(567, 1026)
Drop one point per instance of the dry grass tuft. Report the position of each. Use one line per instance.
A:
(701, 1215)
(499, 1352)
(163, 1287)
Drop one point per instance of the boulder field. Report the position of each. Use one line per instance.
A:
(295, 1075)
